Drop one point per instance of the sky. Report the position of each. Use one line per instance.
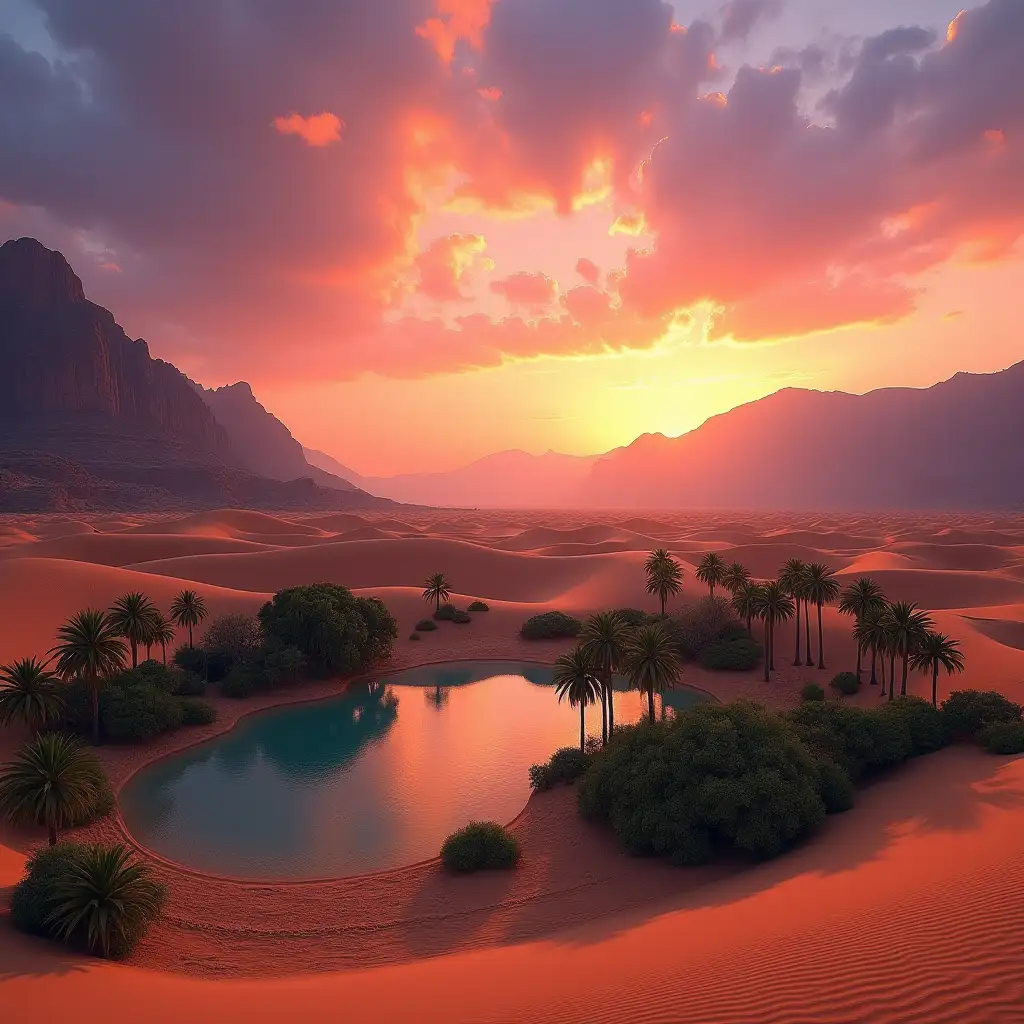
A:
(427, 230)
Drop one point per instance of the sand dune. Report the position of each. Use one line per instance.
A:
(905, 910)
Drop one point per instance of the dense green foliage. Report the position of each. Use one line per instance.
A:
(812, 691)
(197, 712)
(739, 655)
(231, 640)
(481, 844)
(91, 897)
(426, 626)
(138, 714)
(846, 683)
(834, 786)
(926, 727)
(336, 631)
(967, 712)
(239, 683)
(1002, 737)
(478, 606)
(191, 659)
(714, 778)
(634, 617)
(450, 613)
(565, 765)
(711, 621)
(550, 626)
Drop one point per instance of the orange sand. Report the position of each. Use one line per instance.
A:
(907, 909)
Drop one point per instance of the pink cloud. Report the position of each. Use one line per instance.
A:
(443, 265)
(531, 291)
(316, 130)
(588, 270)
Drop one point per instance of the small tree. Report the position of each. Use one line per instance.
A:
(437, 589)
(188, 609)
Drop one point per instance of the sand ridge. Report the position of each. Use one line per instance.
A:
(923, 876)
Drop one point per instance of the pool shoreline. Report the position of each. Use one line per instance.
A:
(117, 819)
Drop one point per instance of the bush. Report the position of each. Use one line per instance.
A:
(834, 787)
(426, 626)
(706, 622)
(478, 606)
(1002, 737)
(447, 612)
(924, 723)
(280, 666)
(191, 659)
(239, 683)
(189, 685)
(858, 740)
(740, 655)
(138, 714)
(565, 765)
(170, 679)
(197, 712)
(32, 897)
(414, 636)
(967, 712)
(481, 844)
(462, 617)
(103, 800)
(77, 715)
(231, 640)
(845, 683)
(812, 691)
(634, 617)
(336, 631)
(732, 777)
(550, 626)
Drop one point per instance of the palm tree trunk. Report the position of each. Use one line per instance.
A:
(149, 651)
(163, 648)
(903, 685)
(860, 658)
(935, 685)
(881, 665)
(771, 645)
(874, 658)
(190, 635)
(749, 622)
(892, 674)
(650, 702)
(807, 630)
(767, 653)
(583, 727)
(604, 716)
(796, 657)
(135, 653)
(611, 705)
(94, 693)
(821, 641)
(53, 834)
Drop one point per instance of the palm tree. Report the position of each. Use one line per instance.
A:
(870, 632)
(188, 609)
(858, 599)
(604, 639)
(132, 617)
(908, 628)
(655, 558)
(820, 588)
(792, 577)
(652, 662)
(711, 570)
(438, 589)
(744, 601)
(28, 691)
(574, 678)
(52, 782)
(89, 646)
(107, 897)
(735, 576)
(936, 652)
(163, 633)
(774, 604)
(665, 578)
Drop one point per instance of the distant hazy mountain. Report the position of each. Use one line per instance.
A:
(89, 420)
(956, 445)
(512, 479)
(321, 460)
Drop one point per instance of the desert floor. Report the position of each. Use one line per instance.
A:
(906, 909)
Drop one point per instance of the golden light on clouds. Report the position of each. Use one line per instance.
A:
(317, 130)
(954, 27)
(632, 224)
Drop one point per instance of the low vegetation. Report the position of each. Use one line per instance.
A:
(426, 626)
(845, 683)
(550, 626)
(812, 691)
(1002, 737)
(478, 606)
(449, 613)
(480, 845)
(95, 898)
(566, 765)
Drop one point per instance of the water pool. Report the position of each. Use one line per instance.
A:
(372, 779)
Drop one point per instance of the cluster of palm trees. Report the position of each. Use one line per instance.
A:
(607, 646)
(91, 646)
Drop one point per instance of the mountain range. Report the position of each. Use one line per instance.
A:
(89, 419)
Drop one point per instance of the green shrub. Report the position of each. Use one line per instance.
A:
(834, 786)
(858, 740)
(235, 638)
(846, 683)
(336, 631)
(740, 655)
(968, 711)
(138, 714)
(426, 626)
(478, 606)
(550, 626)
(191, 659)
(446, 612)
(188, 684)
(481, 844)
(197, 712)
(565, 765)
(32, 897)
(1002, 737)
(634, 617)
(462, 618)
(280, 666)
(103, 800)
(77, 715)
(704, 623)
(812, 691)
(713, 778)
(414, 636)
(925, 724)
(239, 683)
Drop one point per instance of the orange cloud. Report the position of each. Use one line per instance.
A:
(315, 130)
(443, 266)
(532, 291)
(457, 19)
(954, 27)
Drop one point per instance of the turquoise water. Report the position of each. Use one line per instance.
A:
(372, 779)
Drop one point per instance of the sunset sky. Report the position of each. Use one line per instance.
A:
(426, 230)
